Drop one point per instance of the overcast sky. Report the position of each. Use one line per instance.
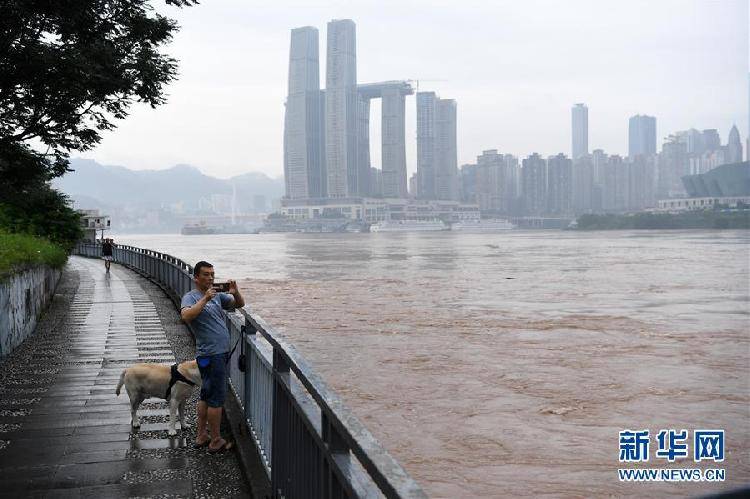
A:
(515, 69)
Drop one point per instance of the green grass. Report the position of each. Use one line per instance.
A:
(20, 251)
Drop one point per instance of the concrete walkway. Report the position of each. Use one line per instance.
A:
(64, 432)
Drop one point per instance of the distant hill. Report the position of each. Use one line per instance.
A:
(179, 191)
(119, 186)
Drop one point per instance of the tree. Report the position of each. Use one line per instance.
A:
(68, 69)
(41, 211)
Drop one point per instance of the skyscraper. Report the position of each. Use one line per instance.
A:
(583, 184)
(468, 175)
(342, 103)
(303, 167)
(734, 146)
(426, 102)
(580, 129)
(393, 133)
(641, 135)
(494, 181)
(446, 150)
(437, 152)
(642, 182)
(673, 164)
(559, 184)
(614, 181)
(711, 139)
(534, 185)
(693, 140)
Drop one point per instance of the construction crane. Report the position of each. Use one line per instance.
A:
(416, 82)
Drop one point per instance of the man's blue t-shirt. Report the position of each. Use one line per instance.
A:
(210, 327)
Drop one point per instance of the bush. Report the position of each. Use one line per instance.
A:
(21, 251)
(40, 211)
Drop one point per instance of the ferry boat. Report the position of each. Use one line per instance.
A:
(198, 229)
(202, 229)
(408, 226)
(489, 225)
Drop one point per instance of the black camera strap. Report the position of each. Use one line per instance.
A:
(234, 347)
(241, 358)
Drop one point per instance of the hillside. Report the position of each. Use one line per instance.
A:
(162, 198)
(120, 186)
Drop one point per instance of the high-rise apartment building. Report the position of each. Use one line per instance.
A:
(642, 182)
(534, 185)
(580, 130)
(304, 173)
(674, 163)
(437, 152)
(615, 185)
(641, 135)
(693, 140)
(559, 184)
(583, 184)
(468, 183)
(495, 181)
(344, 178)
(606, 183)
(413, 186)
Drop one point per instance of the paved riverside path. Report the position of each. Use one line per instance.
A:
(64, 432)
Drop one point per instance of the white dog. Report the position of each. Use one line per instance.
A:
(173, 383)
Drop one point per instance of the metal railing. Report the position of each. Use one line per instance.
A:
(311, 444)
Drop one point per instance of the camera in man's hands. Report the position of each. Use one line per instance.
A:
(221, 287)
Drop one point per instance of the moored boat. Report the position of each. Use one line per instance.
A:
(487, 225)
(408, 226)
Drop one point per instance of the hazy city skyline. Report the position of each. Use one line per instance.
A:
(515, 75)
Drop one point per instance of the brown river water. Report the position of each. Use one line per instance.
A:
(499, 365)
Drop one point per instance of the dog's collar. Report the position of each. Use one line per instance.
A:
(174, 378)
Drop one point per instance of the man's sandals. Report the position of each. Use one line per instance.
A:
(199, 444)
(221, 446)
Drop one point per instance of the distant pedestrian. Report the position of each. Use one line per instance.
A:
(107, 246)
(202, 308)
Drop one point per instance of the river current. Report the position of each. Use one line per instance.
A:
(496, 365)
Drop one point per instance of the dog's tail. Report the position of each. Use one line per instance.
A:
(122, 381)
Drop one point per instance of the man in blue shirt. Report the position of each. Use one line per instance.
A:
(203, 309)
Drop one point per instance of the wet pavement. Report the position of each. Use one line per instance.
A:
(64, 432)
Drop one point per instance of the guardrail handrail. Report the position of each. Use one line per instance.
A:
(330, 427)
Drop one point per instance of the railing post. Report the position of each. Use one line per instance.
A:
(280, 438)
(331, 436)
(173, 276)
(280, 365)
(249, 331)
(335, 444)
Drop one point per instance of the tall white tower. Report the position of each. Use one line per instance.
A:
(580, 129)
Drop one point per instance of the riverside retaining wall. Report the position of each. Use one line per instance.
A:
(23, 297)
